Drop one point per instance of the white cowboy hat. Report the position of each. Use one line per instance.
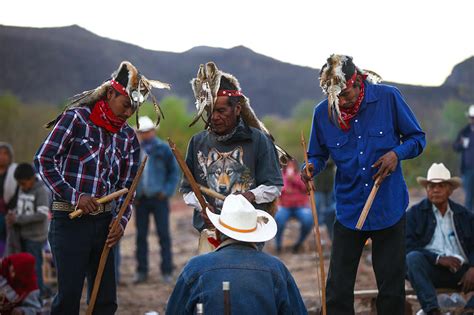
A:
(239, 220)
(470, 112)
(146, 124)
(438, 173)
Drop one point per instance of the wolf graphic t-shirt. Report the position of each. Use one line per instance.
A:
(245, 161)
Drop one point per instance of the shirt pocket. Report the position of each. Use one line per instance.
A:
(381, 138)
(87, 150)
(339, 148)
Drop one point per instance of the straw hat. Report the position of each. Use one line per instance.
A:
(241, 221)
(438, 173)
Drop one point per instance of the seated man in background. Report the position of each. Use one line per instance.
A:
(259, 283)
(440, 241)
(293, 204)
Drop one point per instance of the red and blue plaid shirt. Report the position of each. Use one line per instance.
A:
(79, 157)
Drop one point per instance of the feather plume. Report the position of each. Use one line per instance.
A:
(262, 220)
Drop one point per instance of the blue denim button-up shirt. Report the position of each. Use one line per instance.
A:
(161, 173)
(259, 284)
(384, 123)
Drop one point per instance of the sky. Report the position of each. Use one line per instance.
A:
(405, 41)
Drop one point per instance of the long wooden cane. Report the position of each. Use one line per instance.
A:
(189, 176)
(106, 249)
(105, 199)
(368, 204)
(316, 231)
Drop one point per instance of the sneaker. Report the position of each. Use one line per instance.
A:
(140, 277)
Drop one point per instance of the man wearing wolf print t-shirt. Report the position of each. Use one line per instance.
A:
(230, 156)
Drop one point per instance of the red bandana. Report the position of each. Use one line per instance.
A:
(229, 93)
(348, 113)
(103, 116)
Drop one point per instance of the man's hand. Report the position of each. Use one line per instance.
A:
(450, 262)
(308, 180)
(248, 195)
(467, 281)
(114, 234)
(10, 218)
(87, 204)
(387, 164)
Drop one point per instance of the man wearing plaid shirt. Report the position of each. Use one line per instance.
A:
(91, 152)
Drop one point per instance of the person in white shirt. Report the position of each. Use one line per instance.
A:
(440, 241)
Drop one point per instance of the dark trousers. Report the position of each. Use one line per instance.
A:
(425, 277)
(160, 211)
(35, 249)
(76, 246)
(468, 183)
(388, 257)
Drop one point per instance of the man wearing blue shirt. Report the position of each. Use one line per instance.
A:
(259, 283)
(366, 128)
(157, 184)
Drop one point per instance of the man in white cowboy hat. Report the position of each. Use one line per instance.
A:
(91, 152)
(367, 129)
(259, 283)
(157, 184)
(440, 241)
(465, 145)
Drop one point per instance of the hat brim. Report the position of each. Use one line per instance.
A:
(455, 181)
(263, 233)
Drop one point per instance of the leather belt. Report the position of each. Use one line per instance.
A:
(64, 206)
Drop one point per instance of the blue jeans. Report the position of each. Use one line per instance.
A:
(76, 246)
(325, 205)
(117, 261)
(468, 183)
(160, 211)
(425, 277)
(302, 214)
(35, 249)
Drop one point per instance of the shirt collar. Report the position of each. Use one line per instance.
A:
(369, 96)
(436, 210)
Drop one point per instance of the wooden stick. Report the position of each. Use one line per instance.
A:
(189, 176)
(106, 249)
(105, 199)
(226, 292)
(211, 193)
(368, 204)
(316, 231)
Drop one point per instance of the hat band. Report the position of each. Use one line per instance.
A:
(236, 229)
(229, 93)
(119, 87)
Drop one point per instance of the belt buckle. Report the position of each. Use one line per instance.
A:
(98, 211)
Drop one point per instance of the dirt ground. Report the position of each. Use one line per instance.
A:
(153, 295)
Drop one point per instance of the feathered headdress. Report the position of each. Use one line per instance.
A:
(333, 79)
(206, 89)
(126, 80)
